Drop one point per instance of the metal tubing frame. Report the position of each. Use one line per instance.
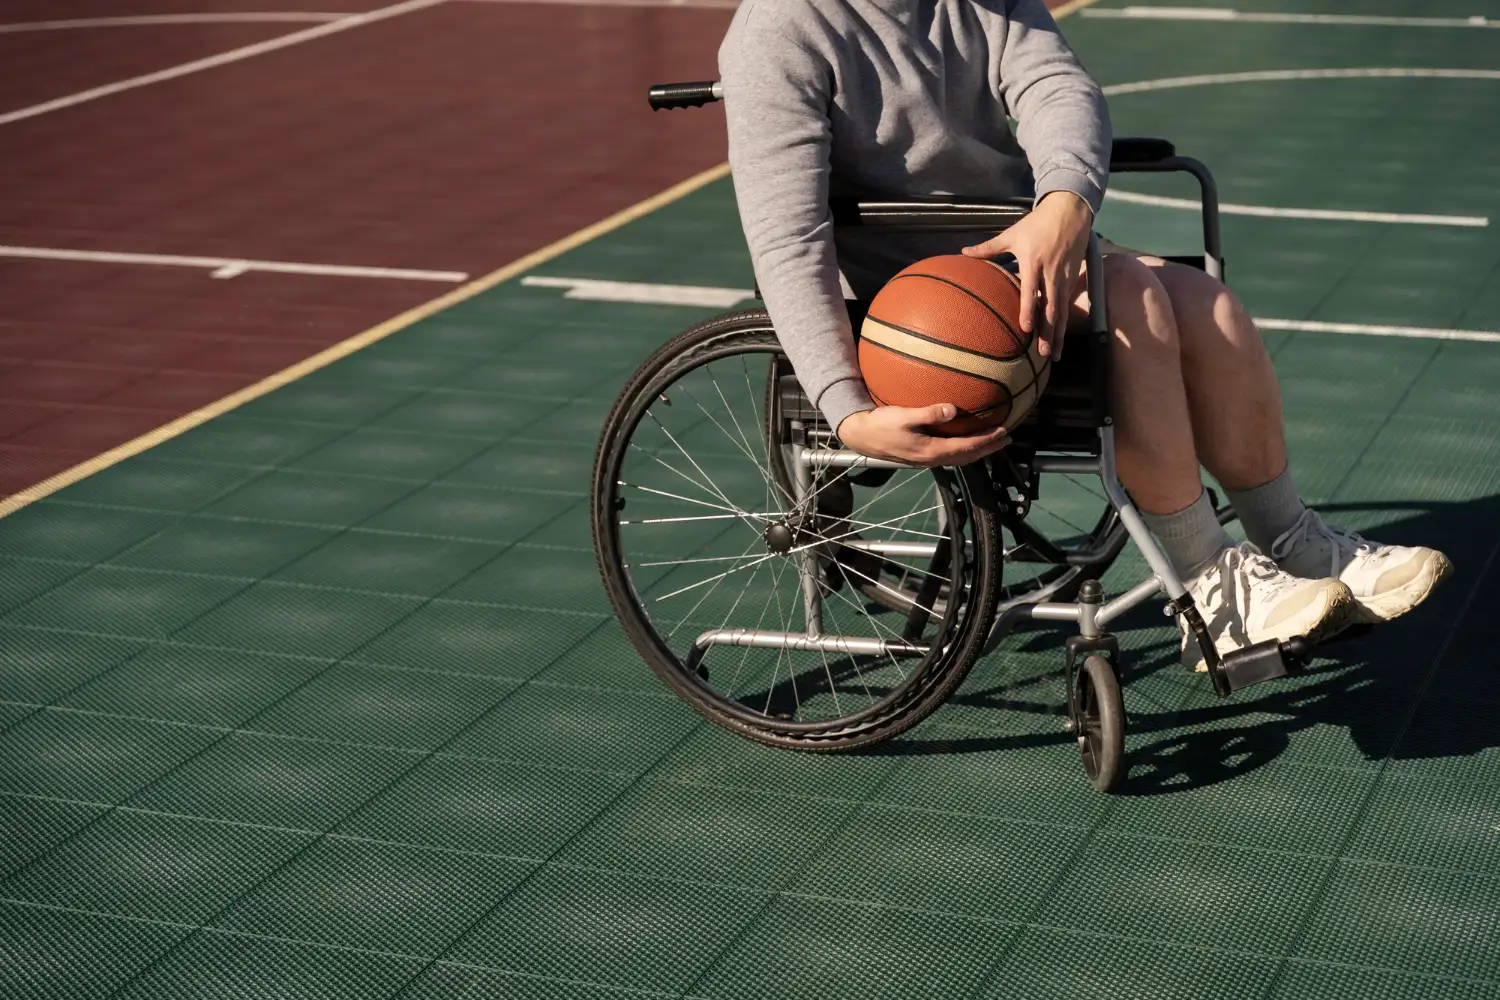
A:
(1091, 619)
(849, 644)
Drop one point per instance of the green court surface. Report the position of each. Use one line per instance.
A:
(323, 698)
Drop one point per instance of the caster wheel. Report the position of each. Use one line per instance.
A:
(1100, 715)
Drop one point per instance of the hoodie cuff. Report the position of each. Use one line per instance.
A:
(844, 397)
(1063, 179)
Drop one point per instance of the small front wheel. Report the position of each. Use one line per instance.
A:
(1099, 713)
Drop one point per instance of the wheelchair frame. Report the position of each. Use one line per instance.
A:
(1095, 708)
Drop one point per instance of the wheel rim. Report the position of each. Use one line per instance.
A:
(707, 540)
(1090, 726)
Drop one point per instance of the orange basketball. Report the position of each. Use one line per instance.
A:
(948, 330)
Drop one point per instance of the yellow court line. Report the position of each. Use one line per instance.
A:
(345, 348)
(1071, 7)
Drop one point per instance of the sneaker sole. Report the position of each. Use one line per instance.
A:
(1384, 607)
(1343, 612)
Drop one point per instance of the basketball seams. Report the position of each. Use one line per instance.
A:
(934, 364)
(944, 343)
(1016, 334)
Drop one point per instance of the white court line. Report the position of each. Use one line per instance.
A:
(597, 290)
(1328, 214)
(231, 267)
(1222, 14)
(1280, 75)
(1365, 330)
(223, 58)
(143, 20)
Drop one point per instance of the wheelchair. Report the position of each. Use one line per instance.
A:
(807, 597)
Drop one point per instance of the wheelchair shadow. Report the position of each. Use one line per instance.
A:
(1417, 688)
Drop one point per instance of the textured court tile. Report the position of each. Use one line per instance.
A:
(1462, 381)
(1275, 806)
(218, 966)
(380, 897)
(731, 836)
(248, 441)
(30, 827)
(1450, 740)
(830, 950)
(1016, 777)
(1188, 893)
(713, 756)
(609, 928)
(83, 534)
(154, 867)
(605, 659)
(225, 547)
(397, 564)
(274, 781)
(530, 577)
(569, 527)
(529, 465)
(40, 667)
(532, 375)
(477, 639)
(71, 755)
(383, 707)
(570, 727)
(577, 422)
(443, 982)
(1441, 923)
(124, 601)
(396, 369)
(372, 451)
(484, 418)
(1048, 964)
(449, 511)
(488, 807)
(310, 498)
(1423, 820)
(1308, 981)
(319, 400)
(50, 954)
(974, 866)
(23, 579)
(210, 687)
(306, 621)
(158, 485)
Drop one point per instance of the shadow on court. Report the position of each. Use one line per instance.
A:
(1423, 687)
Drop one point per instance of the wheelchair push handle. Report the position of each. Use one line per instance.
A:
(685, 95)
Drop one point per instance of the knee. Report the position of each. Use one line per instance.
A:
(1140, 308)
(1206, 308)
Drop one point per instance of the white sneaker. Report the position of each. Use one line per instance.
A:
(1245, 598)
(1386, 580)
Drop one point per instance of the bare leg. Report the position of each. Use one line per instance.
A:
(1231, 385)
(1153, 427)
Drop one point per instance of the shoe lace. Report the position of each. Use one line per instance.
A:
(1344, 543)
(1240, 573)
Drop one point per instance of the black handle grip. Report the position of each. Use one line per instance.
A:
(1132, 152)
(684, 95)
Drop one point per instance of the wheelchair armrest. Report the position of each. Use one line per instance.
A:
(1127, 153)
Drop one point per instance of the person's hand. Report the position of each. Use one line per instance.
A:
(904, 434)
(1048, 245)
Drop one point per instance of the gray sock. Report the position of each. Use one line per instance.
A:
(1191, 537)
(1268, 511)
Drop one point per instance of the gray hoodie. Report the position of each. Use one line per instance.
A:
(895, 98)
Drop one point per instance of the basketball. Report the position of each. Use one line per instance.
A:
(948, 330)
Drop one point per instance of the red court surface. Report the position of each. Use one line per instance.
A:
(447, 137)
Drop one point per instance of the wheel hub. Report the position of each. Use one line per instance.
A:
(781, 535)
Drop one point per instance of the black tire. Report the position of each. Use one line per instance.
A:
(958, 634)
(1099, 711)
